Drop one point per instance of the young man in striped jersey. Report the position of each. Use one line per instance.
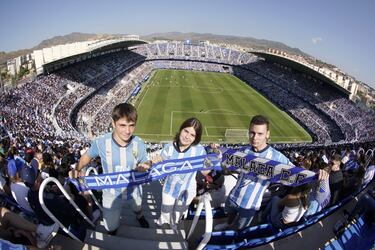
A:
(120, 151)
(246, 197)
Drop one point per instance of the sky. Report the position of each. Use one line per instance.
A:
(339, 32)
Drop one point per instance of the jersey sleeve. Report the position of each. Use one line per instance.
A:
(323, 193)
(93, 151)
(2, 183)
(165, 152)
(203, 150)
(143, 157)
(283, 159)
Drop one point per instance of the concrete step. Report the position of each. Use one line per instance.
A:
(63, 242)
(151, 233)
(129, 219)
(149, 212)
(140, 233)
(199, 230)
(106, 241)
(152, 194)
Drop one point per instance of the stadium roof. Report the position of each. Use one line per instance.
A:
(102, 46)
(116, 45)
(301, 68)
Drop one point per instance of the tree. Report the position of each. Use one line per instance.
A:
(22, 72)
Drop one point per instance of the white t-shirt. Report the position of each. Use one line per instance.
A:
(2, 184)
(19, 192)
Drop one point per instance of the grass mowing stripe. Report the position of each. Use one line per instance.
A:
(237, 102)
(213, 101)
(224, 102)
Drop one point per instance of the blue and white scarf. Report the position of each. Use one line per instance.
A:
(231, 159)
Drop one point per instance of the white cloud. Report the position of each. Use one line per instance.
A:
(316, 40)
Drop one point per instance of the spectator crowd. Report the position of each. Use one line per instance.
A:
(40, 137)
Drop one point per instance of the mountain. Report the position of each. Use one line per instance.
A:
(72, 38)
(248, 42)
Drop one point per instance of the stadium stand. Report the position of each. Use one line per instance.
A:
(53, 115)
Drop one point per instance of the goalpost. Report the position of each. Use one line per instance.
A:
(233, 135)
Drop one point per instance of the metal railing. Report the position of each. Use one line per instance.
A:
(48, 212)
(205, 201)
(370, 152)
(89, 191)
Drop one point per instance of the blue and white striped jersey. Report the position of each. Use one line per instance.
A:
(175, 184)
(323, 193)
(369, 175)
(319, 197)
(116, 158)
(249, 190)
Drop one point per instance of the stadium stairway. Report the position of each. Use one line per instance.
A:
(130, 235)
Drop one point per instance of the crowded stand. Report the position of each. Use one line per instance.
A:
(294, 105)
(339, 109)
(56, 158)
(122, 92)
(27, 110)
(331, 109)
(346, 115)
(108, 68)
(38, 139)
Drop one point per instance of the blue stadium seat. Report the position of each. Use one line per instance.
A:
(225, 247)
(357, 236)
(265, 233)
(259, 241)
(260, 231)
(222, 237)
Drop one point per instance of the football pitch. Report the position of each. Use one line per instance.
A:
(222, 102)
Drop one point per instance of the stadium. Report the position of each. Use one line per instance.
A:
(312, 118)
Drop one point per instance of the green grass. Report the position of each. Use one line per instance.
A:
(221, 101)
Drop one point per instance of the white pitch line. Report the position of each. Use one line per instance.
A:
(171, 124)
(227, 127)
(205, 128)
(287, 137)
(143, 98)
(208, 90)
(153, 134)
(224, 111)
(211, 113)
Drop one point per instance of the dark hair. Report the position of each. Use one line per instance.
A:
(13, 151)
(191, 122)
(28, 157)
(124, 110)
(336, 157)
(260, 120)
(303, 192)
(47, 159)
(307, 162)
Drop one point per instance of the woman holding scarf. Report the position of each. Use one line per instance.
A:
(180, 189)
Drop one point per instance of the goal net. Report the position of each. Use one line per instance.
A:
(235, 135)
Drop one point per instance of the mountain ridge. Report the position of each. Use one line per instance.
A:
(248, 42)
